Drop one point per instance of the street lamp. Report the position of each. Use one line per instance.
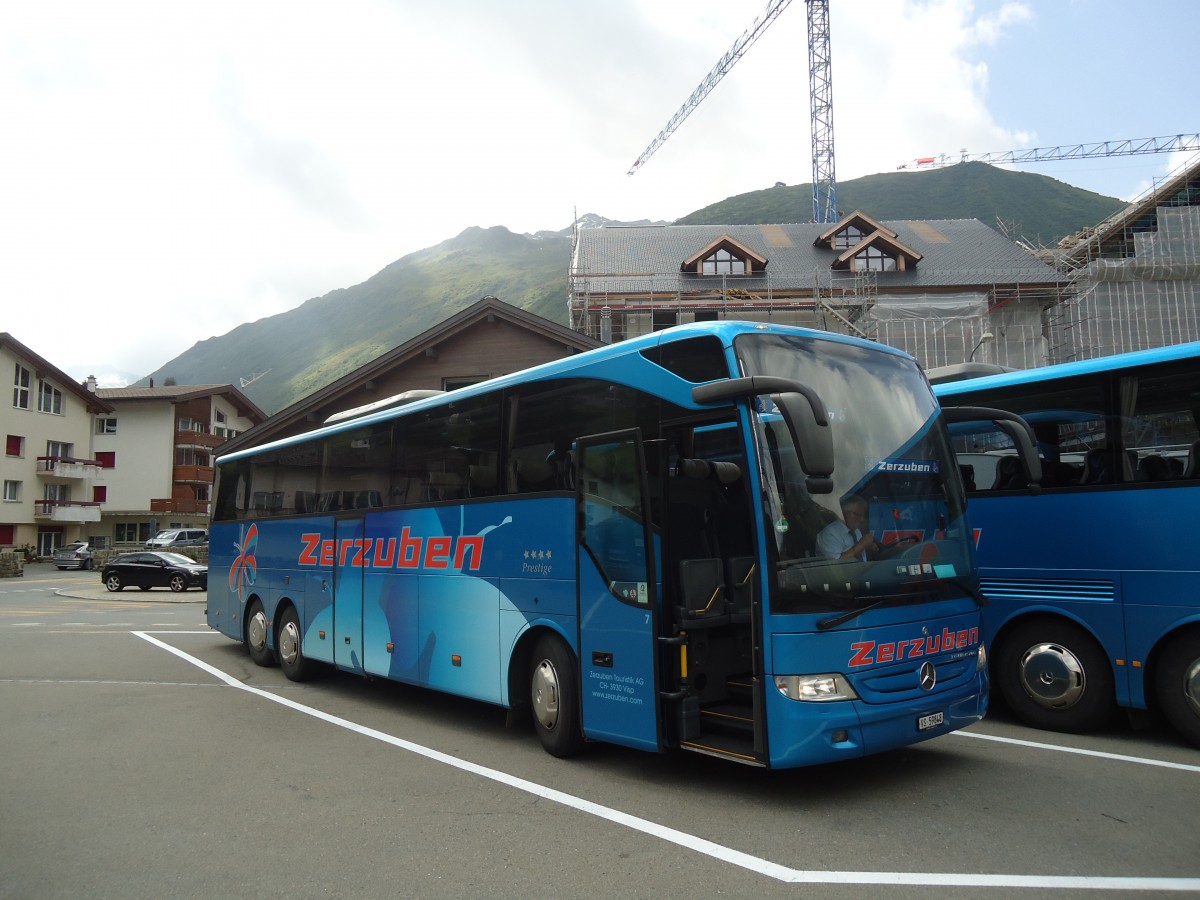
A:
(983, 339)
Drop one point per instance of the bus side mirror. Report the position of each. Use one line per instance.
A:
(802, 409)
(813, 438)
(1011, 424)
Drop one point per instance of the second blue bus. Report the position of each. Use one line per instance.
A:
(1094, 576)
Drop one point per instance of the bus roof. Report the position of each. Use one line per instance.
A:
(1063, 370)
(593, 363)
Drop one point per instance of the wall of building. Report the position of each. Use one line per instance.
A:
(73, 426)
(1151, 299)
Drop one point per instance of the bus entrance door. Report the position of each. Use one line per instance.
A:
(348, 596)
(618, 598)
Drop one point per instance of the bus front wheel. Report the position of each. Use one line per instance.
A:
(1177, 685)
(554, 697)
(1053, 675)
(291, 650)
(255, 635)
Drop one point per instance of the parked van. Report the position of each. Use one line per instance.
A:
(177, 537)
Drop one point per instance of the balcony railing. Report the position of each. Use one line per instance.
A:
(67, 510)
(198, 439)
(178, 505)
(68, 467)
(193, 474)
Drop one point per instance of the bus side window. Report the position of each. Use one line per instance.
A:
(1158, 423)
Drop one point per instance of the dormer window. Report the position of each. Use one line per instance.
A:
(872, 259)
(724, 256)
(848, 237)
(723, 263)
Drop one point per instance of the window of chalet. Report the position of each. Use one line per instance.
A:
(723, 263)
(848, 237)
(872, 259)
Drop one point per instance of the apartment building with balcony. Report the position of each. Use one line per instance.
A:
(107, 465)
(53, 483)
(157, 446)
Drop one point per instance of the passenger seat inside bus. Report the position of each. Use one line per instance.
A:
(713, 589)
(1190, 467)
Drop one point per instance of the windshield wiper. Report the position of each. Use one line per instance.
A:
(973, 592)
(835, 621)
(842, 618)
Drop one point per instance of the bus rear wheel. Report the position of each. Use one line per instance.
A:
(1177, 685)
(291, 650)
(255, 635)
(554, 697)
(1053, 675)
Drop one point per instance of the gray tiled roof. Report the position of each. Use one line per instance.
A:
(957, 253)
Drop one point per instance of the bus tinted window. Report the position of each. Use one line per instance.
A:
(450, 452)
(546, 417)
(696, 359)
(1136, 427)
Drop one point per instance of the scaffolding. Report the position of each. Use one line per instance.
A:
(1134, 279)
(937, 328)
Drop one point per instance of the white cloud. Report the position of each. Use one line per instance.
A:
(176, 169)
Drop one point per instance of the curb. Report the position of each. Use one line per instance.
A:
(150, 596)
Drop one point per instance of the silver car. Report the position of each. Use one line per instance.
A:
(77, 555)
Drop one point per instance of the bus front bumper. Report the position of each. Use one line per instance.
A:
(807, 733)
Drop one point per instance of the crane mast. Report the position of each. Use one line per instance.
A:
(820, 90)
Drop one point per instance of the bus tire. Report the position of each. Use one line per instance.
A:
(554, 697)
(1054, 675)
(254, 635)
(289, 645)
(1177, 685)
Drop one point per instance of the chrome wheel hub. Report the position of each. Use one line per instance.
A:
(1052, 676)
(1191, 685)
(545, 694)
(256, 631)
(289, 643)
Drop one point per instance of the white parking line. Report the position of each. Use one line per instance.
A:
(1119, 757)
(692, 842)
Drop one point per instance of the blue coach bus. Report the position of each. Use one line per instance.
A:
(1094, 579)
(624, 547)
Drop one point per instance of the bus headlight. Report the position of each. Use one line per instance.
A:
(981, 659)
(817, 688)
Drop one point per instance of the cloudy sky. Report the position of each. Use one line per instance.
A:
(174, 169)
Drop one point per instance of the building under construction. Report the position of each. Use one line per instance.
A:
(1133, 281)
(946, 291)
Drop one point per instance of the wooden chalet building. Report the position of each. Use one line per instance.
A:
(487, 339)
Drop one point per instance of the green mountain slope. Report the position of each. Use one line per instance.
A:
(326, 337)
(1036, 208)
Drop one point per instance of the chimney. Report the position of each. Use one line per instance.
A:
(90, 384)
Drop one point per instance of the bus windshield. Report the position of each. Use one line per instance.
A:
(892, 531)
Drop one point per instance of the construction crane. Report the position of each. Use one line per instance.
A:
(820, 97)
(1132, 147)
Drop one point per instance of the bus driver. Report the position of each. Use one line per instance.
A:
(846, 539)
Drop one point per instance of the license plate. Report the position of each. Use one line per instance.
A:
(933, 720)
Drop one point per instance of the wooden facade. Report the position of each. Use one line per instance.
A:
(488, 339)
